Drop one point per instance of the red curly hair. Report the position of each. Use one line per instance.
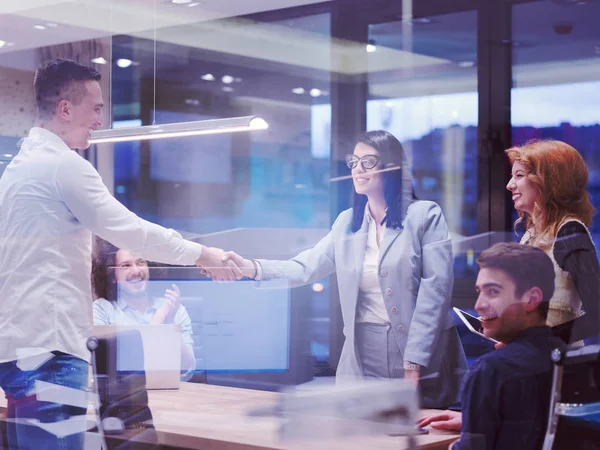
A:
(560, 175)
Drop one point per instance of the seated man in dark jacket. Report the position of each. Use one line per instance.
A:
(506, 395)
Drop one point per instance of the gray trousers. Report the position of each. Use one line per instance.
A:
(441, 381)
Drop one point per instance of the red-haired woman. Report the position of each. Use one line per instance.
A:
(548, 187)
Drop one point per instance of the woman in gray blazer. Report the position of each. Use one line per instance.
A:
(392, 256)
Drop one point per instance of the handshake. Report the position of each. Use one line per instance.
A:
(225, 266)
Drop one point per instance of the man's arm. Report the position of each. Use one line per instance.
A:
(81, 189)
(481, 409)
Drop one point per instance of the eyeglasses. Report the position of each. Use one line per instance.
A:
(367, 161)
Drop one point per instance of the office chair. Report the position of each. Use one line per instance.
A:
(574, 416)
(124, 420)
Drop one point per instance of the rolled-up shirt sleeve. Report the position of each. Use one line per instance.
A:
(82, 190)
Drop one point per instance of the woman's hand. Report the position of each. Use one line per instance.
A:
(246, 266)
(166, 313)
(412, 376)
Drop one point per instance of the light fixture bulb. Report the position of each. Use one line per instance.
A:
(123, 63)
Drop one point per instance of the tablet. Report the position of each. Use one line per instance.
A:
(472, 323)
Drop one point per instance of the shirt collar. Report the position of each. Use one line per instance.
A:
(42, 134)
(368, 215)
(534, 332)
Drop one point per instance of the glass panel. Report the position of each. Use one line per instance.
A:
(262, 194)
(556, 88)
(428, 99)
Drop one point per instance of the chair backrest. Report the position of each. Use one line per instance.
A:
(123, 396)
(574, 420)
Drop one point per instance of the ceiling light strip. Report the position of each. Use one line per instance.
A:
(180, 129)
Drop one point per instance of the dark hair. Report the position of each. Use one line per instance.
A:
(391, 152)
(61, 79)
(103, 262)
(526, 265)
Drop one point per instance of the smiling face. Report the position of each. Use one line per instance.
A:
(524, 192)
(131, 274)
(367, 181)
(503, 314)
(83, 116)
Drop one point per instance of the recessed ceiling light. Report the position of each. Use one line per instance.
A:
(314, 92)
(371, 46)
(227, 79)
(298, 90)
(208, 77)
(123, 63)
(2, 44)
(227, 88)
(99, 60)
(465, 63)
(192, 101)
(190, 5)
(8, 155)
(181, 2)
(39, 27)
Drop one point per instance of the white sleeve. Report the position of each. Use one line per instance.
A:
(81, 189)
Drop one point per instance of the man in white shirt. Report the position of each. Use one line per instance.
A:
(51, 201)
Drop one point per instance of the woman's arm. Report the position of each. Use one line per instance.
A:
(305, 268)
(575, 253)
(435, 288)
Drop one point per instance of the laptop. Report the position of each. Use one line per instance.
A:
(161, 348)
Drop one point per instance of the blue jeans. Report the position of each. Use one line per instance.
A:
(19, 386)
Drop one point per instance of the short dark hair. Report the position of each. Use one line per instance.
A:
(526, 265)
(61, 79)
(391, 152)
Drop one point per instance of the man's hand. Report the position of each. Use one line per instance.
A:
(445, 420)
(246, 266)
(166, 313)
(212, 262)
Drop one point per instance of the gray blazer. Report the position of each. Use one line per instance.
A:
(415, 275)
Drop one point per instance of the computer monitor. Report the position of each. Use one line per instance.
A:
(239, 326)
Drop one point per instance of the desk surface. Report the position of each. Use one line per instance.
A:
(215, 418)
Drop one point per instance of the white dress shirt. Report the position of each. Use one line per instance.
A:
(51, 200)
(371, 307)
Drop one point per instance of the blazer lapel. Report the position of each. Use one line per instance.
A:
(358, 244)
(389, 236)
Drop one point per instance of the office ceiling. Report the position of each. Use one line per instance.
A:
(212, 38)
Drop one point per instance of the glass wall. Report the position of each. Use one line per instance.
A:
(320, 74)
(556, 86)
